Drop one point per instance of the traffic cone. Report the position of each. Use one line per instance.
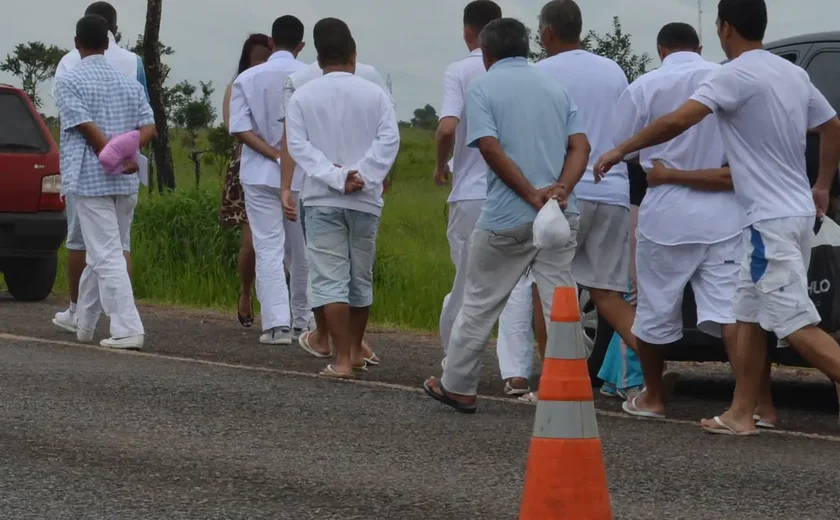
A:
(565, 477)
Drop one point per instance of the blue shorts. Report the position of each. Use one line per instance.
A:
(341, 246)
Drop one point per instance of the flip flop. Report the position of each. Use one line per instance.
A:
(515, 392)
(443, 397)
(245, 320)
(303, 341)
(724, 429)
(373, 360)
(763, 424)
(362, 368)
(530, 397)
(630, 407)
(331, 373)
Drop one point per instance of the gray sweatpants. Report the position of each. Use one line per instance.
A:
(497, 260)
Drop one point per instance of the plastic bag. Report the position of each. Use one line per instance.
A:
(551, 229)
(120, 148)
(824, 275)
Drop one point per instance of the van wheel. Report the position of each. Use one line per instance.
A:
(30, 279)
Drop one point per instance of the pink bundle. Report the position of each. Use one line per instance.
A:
(120, 148)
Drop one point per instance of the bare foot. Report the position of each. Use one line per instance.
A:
(644, 403)
(245, 309)
(766, 415)
(368, 352)
(320, 343)
(463, 399)
(518, 383)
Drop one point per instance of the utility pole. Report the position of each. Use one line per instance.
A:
(700, 20)
(389, 84)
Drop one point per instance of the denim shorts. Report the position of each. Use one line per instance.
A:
(341, 246)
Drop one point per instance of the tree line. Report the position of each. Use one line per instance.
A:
(187, 107)
(616, 45)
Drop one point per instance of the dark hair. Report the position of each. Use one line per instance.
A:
(748, 17)
(333, 41)
(92, 32)
(564, 18)
(479, 13)
(106, 11)
(678, 35)
(505, 38)
(287, 32)
(254, 40)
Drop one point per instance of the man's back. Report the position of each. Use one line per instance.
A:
(765, 106)
(595, 84)
(313, 71)
(469, 168)
(95, 92)
(533, 134)
(675, 214)
(258, 105)
(122, 60)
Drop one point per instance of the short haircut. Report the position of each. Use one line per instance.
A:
(479, 13)
(506, 38)
(287, 32)
(105, 10)
(92, 32)
(333, 42)
(564, 18)
(678, 35)
(748, 17)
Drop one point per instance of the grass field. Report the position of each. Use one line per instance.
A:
(182, 257)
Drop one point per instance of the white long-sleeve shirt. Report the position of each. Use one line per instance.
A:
(257, 105)
(344, 120)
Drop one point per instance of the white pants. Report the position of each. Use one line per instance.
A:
(298, 265)
(515, 342)
(265, 215)
(105, 284)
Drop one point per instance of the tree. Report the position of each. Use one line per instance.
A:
(33, 63)
(220, 146)
(616, 45)
(425, 118)
(193, 113)
(155, 77)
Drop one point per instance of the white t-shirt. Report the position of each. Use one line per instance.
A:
(595, 84)
(672, 214)
(313, 71)
(122, 60)
(469, 170)
(342, 119)
(766, 105)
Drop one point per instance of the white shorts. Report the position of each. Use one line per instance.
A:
(773, 279)
(663, 272)
(75, 241)
(602, 260)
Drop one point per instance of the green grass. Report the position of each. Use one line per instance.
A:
(182, 257)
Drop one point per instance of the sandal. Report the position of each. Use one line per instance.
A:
(515, 392)
(444, 398)
(245, 321)
(303, 341)
(531, 397)
(331, 373)
(630, 407)
(722, 428)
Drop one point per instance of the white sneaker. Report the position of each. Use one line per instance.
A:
(84, 335)
(129, 343)
(65, 320)
(277, 336)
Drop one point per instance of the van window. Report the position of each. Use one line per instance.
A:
(790, 56)
(824, 70)
(19, 130)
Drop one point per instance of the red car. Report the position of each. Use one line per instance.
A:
(32, 221)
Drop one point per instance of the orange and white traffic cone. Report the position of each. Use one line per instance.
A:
(565, 477)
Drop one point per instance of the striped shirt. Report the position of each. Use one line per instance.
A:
(93, 91)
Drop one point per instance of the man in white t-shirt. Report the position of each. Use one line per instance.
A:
(314, 341)
(765, 106)
(602, 261)
(131, 65)
(343, 132)
(678, 242)
(468, 177)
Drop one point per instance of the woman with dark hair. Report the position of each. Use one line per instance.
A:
(255, 51)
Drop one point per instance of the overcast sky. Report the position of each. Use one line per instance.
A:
(411, 40)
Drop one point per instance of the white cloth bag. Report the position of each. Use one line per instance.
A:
(551, 229)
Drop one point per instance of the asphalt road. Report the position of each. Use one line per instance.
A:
(207, 424)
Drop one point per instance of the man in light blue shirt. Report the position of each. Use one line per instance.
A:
(526, 127)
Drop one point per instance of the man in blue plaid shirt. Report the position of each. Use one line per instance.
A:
(96, 103)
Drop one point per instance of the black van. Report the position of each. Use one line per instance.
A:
(819, 55)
